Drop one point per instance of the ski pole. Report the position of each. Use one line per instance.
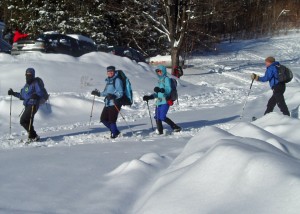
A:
(31, 118)
(22, 112)
(246, 101)
(10, 115)
(123, 118)
(92, 109)
(150, 115)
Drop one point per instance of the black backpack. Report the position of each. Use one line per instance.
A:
(285, 75)
(127, 98)
(41, 84)
(174, 93)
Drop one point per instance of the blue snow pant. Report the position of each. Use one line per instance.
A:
(161, 112)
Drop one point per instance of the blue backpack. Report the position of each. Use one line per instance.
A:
(127, 99)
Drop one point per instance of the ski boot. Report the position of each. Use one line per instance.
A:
(159, 130)
(114, 136)
(175, 127)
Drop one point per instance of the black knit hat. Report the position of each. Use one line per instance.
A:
(111, 68)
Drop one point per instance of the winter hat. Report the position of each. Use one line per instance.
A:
(30, 71)
(270, 59)
(111, 68)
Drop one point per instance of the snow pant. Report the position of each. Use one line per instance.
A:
(161, 115)
(278, 98)
(109, 118)
(27, 119)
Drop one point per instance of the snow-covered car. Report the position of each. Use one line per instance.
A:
(4, 47)
(74, 45)
(126, 52)
(163, 60)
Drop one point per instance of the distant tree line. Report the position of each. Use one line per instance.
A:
(154, 26)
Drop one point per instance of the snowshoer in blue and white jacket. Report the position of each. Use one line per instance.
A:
(162, 94)
(31, 93)
(277, 87)
(113, 91)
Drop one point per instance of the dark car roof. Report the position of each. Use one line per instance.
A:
(121, 50)
(4, 46)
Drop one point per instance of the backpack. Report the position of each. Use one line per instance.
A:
(41, 84)
(285, 75)
(127, 98)
(174, 93)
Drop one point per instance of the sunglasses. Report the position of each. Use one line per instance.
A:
(158, 70)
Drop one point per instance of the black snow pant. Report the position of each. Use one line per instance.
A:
(278, 98)
(110, 114)
(167, 121)
(109, 118)
(27, 119)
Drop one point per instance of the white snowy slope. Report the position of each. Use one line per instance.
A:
(217, 164)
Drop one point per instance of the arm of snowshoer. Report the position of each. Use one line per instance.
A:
(20, 95)
(118, 88)
(268, 75)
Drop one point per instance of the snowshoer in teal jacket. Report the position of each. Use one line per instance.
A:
(162, 93)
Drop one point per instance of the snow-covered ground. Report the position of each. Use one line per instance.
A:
(217, 164)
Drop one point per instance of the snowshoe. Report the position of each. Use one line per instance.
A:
(32, 140)
(177, 129)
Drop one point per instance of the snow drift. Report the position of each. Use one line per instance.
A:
(219, 172)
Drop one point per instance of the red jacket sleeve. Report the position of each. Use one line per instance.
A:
(19, 36)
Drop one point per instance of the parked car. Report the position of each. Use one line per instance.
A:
(5, 47)
(127, 52)
(164, 60)
(74, 45)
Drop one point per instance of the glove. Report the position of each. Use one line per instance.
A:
(96, 93)
(254, 77)
(147, 98)
(34, 97)
(11, 92)
(157, 90)
(111, 97)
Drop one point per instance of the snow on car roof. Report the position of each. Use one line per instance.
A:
(82, 38)
(51, 32)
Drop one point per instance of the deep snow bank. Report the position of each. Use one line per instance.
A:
(219, 172)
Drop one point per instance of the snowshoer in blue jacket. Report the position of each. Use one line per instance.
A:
(112, 92)
(277, 87)
(31, 93)
(162, 93)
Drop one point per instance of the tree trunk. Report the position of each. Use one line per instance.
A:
(175, 56)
